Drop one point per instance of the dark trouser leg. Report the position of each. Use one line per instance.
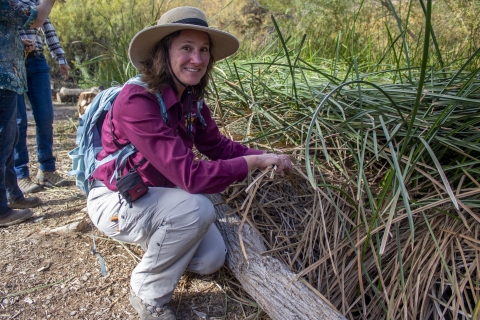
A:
(8, 138)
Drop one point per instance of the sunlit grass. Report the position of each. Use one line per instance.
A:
(403, 144)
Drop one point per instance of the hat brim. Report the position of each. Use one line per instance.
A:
(142, 44)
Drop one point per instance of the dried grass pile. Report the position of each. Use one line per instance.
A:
(367, 266)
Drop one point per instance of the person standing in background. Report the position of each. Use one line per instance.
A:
(14, 207)
(40, 97)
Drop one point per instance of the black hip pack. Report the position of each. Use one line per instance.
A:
(131, 186)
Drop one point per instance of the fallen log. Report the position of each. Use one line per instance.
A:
(77, 94)
(266, 279)
(68, 94)
(74, 226)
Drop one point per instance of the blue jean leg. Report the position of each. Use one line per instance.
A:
(40, 96)
(21, 151)
(8, 138)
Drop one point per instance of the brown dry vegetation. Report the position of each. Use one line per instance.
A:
(313, 232)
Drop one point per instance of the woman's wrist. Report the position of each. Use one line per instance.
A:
(252, 162)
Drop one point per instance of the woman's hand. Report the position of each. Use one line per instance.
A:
(263, 161)
(28, 45)
(64, 70)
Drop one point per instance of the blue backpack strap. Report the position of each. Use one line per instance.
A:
(199, 113)
(121, 159)
(163, 110)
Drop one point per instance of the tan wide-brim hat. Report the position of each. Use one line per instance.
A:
(141, 46)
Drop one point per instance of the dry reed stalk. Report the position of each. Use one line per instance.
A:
(367, 270)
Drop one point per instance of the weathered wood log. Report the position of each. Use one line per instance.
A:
(72, 227)
(74, 94)
(265, 278)
(68, 94)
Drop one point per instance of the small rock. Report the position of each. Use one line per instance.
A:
(45, 266)
(202, 315)
(28, 300)
(73, 313)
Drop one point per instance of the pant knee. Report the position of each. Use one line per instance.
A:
(210, 261)
(216, 260)
(204, 210)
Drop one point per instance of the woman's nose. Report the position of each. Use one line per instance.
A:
(196, 57)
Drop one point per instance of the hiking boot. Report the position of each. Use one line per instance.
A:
(52, 179)
(13, 216)
(28, 186)
(148, 312)
(23, 203)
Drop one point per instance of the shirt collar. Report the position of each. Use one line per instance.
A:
(170, 98)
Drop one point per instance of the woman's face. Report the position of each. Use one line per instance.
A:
(189, 57)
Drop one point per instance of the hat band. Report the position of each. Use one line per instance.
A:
(194, 21)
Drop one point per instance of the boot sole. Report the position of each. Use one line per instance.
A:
(23, 206)
(33, 190)
(61, 184)
(15, 221)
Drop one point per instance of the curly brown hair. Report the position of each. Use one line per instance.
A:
(157, 74)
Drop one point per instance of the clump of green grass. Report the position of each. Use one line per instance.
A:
(392, 159)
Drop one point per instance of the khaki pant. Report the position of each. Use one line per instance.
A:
(174, 227)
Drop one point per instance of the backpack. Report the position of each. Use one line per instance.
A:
(89, 142)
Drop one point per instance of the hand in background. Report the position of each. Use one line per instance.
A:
(28, 45)
(64, 70)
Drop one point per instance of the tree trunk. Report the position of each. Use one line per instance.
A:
(265, 278)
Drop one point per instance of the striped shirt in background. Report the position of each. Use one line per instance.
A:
(56, 50)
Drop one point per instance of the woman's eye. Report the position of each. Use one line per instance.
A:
(204, 49)
(186, 48)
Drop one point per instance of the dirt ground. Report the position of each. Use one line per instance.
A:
(45, 274)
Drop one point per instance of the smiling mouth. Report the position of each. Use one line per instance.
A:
(192, 70)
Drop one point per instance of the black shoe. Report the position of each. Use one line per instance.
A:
(13, 216)
(23, 203)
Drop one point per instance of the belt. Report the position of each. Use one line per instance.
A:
(97, 184)
(34, 54)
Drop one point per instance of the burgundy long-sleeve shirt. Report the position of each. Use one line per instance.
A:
(167, 148)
